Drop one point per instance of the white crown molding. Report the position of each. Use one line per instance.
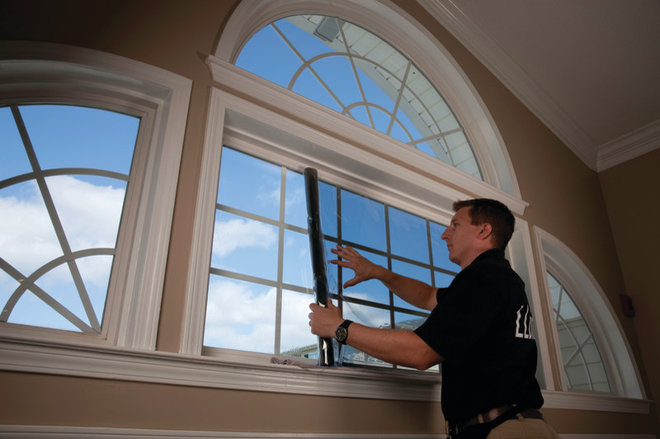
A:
(629, 146)
(449, 14)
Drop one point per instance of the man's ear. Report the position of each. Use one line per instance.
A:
(486, 231)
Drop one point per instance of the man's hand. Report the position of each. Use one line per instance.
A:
(364, 269)
(324, 320)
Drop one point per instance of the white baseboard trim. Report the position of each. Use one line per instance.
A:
(67, 432)
(71, 432)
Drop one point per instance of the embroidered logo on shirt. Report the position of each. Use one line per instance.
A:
(524, 323)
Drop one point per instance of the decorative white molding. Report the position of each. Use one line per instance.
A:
(213, 372)
(449, 14)
(630, 146)
(261, 376)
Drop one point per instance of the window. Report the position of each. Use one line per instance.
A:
(62, 193)
(356, 73)
(261, 282)
(90, 145)
(583, 364)
(589, 341)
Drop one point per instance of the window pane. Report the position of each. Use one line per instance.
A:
(249, 184)
(295, 205)
(59, 228)
(297, 340)
(245, 246)
(583, 364)
(413, 271)
(240, 315)
(266, 47)
(439, 247)
(371, 290)
(408, 237)
(66, 136)
(14, 159)
(297, 268)
(364, 221)
(374, 317)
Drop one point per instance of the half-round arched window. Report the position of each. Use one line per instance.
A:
(355, 72)
(589, 339)
(583, 364)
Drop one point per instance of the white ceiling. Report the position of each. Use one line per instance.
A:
(589, 69)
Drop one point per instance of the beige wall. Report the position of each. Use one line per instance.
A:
(566, 198)
(633, 206)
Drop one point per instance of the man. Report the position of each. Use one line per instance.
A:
(479, 328)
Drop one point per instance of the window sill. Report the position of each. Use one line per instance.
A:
(204, 371)
(21, 355)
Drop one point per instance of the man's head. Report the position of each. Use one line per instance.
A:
(478, 225)
(484, 210)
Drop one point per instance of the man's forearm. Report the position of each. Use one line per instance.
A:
(411, 290)
(396, 346)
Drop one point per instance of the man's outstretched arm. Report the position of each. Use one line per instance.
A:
(396, 346)
(411, 290)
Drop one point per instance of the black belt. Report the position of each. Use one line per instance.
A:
(500, 414)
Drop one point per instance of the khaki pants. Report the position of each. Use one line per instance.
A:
(523, 428)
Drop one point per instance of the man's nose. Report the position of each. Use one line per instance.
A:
(444, 234)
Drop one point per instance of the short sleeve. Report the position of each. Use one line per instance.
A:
(462, 316)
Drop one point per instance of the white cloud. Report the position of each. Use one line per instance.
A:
(240, 317)
(90, 218)
(239, 233)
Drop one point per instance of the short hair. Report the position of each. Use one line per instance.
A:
(484, 210)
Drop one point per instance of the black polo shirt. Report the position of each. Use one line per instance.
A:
(482, 328)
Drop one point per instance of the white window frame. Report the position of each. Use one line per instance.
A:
(51, 73)
(596, 309)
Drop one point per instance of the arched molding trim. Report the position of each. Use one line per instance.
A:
(405, 33)
(597, 310)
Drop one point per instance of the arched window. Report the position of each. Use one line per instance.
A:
(86, 192)
(358, 74)
(66, 168)
(588, 337)
(583, 364)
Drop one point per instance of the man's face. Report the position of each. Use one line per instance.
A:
(461, 237)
